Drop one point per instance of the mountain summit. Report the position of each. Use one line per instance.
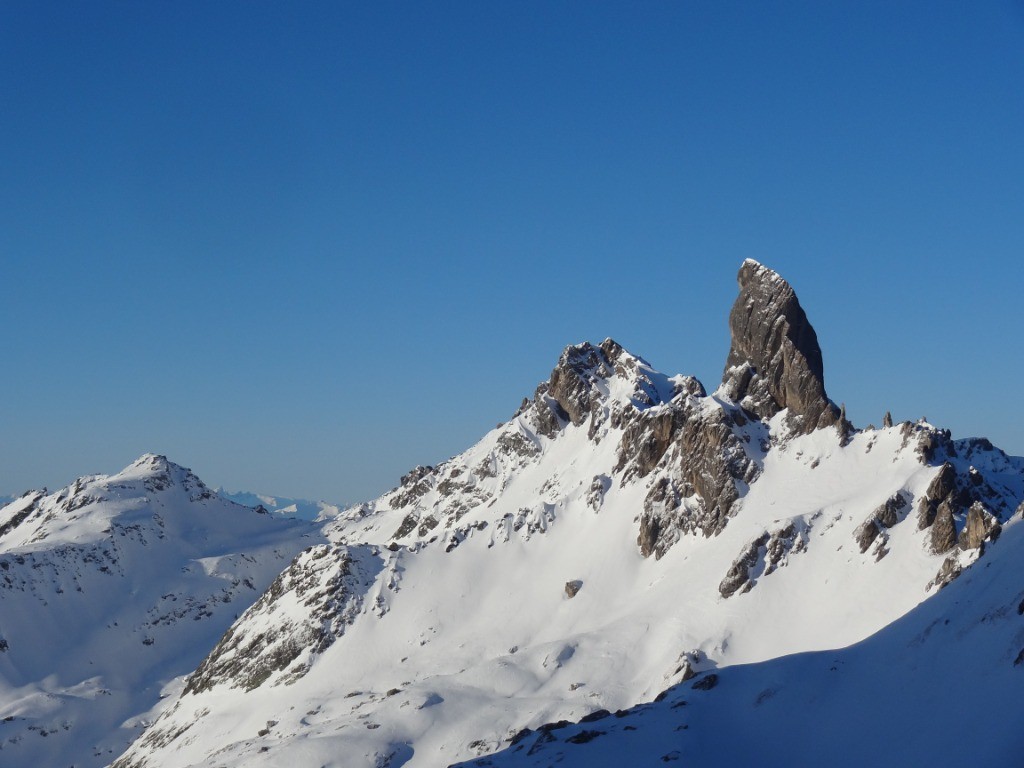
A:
(628, 543)
(775, 361)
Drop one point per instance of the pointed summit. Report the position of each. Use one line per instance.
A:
(775, 361)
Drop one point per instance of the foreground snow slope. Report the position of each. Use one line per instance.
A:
(110, 589)
(932, 688)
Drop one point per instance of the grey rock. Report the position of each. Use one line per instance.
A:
(948, 572)
(942, 487)
(943, 533)
(414, 475)
(598, 488)
(780, 544)
(573, 392)
(866, 534)
(887, 419)
(737, 578)
(413, 486)
(646, 439)
(572, 588)
(885, 516)
(775, 361)
(981, 526)
(704, 462)
(547, 416)
(572, 381)
(888, 514)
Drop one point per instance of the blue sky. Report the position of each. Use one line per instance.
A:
(304, 248)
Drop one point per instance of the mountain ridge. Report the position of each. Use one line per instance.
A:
(623, 534)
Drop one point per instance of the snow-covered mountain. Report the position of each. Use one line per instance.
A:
(110, 590)
(626, 543)
(304, 509)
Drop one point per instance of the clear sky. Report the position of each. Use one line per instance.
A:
(304, 247)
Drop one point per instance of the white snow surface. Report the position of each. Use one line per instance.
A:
(928, 689)
(455, 629)
(110, 590)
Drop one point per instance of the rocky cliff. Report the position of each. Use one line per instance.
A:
(775, 362)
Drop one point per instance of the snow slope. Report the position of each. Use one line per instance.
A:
(112, 588)
(932, 688)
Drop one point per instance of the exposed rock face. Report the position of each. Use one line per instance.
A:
(737, 578)
(883, 518)
(943, 487)
(980, 527)
(775, 361)
(948, 572)
(569, 394)
(704, 462)
(575, 390)
(943, 533)
(761, 557)
(692, 444)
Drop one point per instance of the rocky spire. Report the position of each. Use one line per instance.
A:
(775, 361)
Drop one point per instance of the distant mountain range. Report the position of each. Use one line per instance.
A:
(304, 509)
(631, 571)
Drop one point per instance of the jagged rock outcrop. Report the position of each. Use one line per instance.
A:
(981, 526)
(762, 556)
(570, 394)
(943, 487)
(704, 466)
(775, 361)
(738, 576)
(883, 518)
(943, 532)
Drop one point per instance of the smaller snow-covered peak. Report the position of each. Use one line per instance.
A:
(152, 464)
(83, 510)
(159, 473)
